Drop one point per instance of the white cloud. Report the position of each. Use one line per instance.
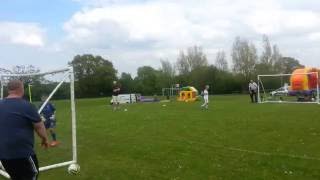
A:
(97, 3)
(29, 34)
(278, 21)
(134, 33)
(150, 30)
(181, 23)
(314, 36)
(162, 23)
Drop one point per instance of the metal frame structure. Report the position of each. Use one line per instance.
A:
(317, 101)
(68, 75)
(171, 91)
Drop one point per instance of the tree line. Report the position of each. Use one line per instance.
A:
(94, 74)
(192, 68)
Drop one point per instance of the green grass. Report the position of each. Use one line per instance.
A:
(234, 139)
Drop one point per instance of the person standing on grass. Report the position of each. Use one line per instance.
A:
(205, 94)
(48, 114)
(115, 93)
(18, 121)
(253, 88)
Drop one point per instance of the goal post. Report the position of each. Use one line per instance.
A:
(289, 88)
(170, 91)
(67, 77)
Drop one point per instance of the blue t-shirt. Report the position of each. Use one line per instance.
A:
(16, 128)
(48, 110)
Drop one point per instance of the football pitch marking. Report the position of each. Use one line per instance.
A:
(229, 148)
(305, 157)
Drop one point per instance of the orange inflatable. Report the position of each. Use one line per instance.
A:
(302, 82)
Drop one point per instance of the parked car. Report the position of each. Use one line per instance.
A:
(126, 98)
(283, 91)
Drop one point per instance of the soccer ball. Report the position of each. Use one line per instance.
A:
(125, 109)
(74, 169)
(312, 99)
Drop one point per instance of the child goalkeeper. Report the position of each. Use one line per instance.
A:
(48, 114)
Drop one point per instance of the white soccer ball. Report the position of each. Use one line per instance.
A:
(312, 99)
(125, 109)
(74, 169)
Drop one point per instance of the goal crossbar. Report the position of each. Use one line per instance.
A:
(68, 75)
(37, 74)
(275, 75)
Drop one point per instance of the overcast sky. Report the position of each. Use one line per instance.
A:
(132, 33)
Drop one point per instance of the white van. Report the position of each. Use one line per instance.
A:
(126, 98)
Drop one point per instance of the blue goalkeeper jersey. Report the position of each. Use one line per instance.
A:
(48, 110)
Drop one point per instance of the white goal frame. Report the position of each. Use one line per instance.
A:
(68, 75)
(172, 91)
(317, 100)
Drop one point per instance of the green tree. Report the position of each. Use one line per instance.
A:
(266, 57)
(93, 75)
(194, 58)
(201, 76)
(278, 63)
(147, 81)
(36, 81)
(221, 61)
(127, 83)
(167, 74)
(244, 58)
(27, 69)
(270, 58)
(288, 64)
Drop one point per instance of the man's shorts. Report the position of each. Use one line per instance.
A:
(49, 124)
(22, 168)
(115, 100)
(253, 92)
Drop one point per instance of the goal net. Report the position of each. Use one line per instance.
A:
(289, 88)
(174, 90)
(56, 87)
(170, 92)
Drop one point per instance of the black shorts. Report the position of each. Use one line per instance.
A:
(22, 169)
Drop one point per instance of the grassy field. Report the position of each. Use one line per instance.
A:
(234, 139)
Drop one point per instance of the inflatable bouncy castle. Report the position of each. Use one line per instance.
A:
(188, 94)
(304, 81)
(301, 86)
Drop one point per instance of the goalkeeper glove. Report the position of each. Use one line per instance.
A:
(43, 119)
(52, 117)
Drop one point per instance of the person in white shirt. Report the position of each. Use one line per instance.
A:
(253, 88)
(205, 94)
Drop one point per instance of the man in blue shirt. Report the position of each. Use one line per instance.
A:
(18, 121)
(48, 114)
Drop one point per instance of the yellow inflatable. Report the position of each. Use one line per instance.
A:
(188, 94)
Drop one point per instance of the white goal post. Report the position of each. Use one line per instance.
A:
(265, 95)
(171, 91)
(68, 75)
